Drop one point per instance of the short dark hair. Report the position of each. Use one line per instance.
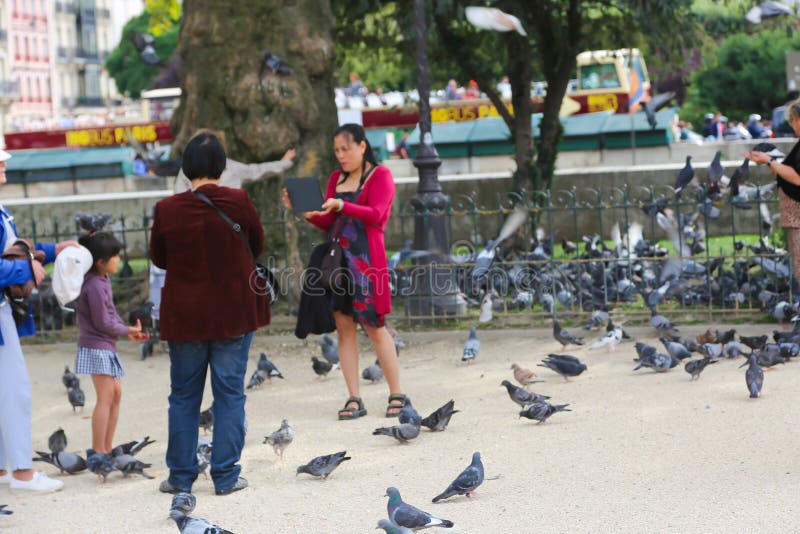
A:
(203, 157)
(102, 245)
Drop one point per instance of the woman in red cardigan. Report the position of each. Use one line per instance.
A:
(357, 205)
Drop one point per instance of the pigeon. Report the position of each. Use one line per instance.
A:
(128, 464)
(521, 396)
(769, 356)
(491, 18)
(408, 414)
(644, 351)
(69, 379)
(92, 223)
(599, 318)
(472, 347)
(268, 367)
(389, 528)
(206, 421)
(65, 461)
(675, 349)
(733, 349)
(281, 438)
(710, 350)
(403, 432)
(663, 325)
(373, 373)
(541, 411)
(695, 367)
(182, 505)
(275, 64)
(321, 367)
(439, 419)
(203, 453)
(564, 364)
(76, 398)
(330, 348)
(684, 177)
(132, 447)
(706, 337)
(564, 337)
(466, 482)
(715, 173)
(258, 378)
(610, 340)
(323, 466)
(5, 511)
(657, 361)
(723, 338)
(754, 377)
(525, 376)
(57, 441)
(101, 464)
(789, 350)
(405, 515)
(754, 343)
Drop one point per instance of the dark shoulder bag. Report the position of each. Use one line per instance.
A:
(265, 283)
(18, 294)
(335, 275)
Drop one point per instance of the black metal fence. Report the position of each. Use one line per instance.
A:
(731, 261)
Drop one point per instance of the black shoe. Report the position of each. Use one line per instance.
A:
(241, 483)
(166, 487)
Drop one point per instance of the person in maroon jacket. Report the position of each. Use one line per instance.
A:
(208, 313)
(357, 205)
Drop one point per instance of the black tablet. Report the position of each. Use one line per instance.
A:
(304, 194)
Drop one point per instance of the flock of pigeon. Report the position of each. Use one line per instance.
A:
(509, 274)
(632, 268)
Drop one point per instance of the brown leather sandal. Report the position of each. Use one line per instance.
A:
(350, 412)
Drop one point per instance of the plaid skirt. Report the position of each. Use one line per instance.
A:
(98, 362)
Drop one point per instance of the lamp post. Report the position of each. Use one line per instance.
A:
(435, 291)
(430, 229)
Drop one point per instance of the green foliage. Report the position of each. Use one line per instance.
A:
(747, 75)
(131, 75)
(164, 15)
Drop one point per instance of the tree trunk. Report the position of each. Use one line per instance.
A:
(260, 113)
(520, 76)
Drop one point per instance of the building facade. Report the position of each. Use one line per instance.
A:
(30, 61)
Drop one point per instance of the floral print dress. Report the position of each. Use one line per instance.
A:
(353, 239)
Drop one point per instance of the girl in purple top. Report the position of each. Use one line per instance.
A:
(99, 325)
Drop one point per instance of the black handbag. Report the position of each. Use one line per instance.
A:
(263, 281)
(333, 272)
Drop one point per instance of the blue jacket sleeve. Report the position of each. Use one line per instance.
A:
(14, 272)
(49, 250)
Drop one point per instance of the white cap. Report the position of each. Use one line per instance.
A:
(709, 116)
(70, 267)
(755, 117)
(4, 156)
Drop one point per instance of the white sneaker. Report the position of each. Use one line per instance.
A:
(40, 483)
(5, 479)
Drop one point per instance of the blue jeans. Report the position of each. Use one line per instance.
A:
(189, 361)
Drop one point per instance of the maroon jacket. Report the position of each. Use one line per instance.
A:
(207, 294)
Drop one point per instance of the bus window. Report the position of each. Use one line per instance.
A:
(599, 76)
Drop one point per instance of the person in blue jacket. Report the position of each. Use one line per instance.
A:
(15, 390)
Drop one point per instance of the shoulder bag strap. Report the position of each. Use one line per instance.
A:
(236, 227)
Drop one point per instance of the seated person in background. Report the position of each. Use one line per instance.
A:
(139, 166)
(451, 91)
(754, 126)
(473, 91)
(402, 147)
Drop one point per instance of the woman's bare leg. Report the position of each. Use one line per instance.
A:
(346, 330)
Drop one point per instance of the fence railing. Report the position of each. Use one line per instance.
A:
(731, 261)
